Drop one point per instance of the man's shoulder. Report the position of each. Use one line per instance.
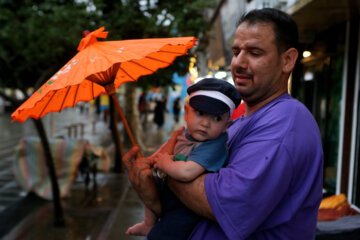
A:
(285, 103)
(284, 108)
(274, 120)
(283, 114)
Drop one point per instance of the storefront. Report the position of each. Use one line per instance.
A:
(318, 84)
(327, 82)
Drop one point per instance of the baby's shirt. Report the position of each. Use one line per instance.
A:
(211, 154)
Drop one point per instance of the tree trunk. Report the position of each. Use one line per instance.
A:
(116, 136)
(132, 113)
(58, 212)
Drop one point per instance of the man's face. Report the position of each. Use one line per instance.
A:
(256, 65)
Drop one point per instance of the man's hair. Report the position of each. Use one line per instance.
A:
(284, 26)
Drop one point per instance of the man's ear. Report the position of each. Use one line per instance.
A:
(289, 58)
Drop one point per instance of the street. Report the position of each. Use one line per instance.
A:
(113, 199)
(10, 135)
(12, 132)
(56, 124)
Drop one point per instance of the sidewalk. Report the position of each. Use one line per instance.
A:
(102, 211)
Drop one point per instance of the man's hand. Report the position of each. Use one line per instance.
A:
(140, 173)
(141, 178)
(162, 161)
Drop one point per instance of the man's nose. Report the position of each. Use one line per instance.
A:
(241, 60)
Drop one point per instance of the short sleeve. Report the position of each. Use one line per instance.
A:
(212, 154)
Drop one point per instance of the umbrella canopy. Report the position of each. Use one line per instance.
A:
(98, 67)
(101, 67)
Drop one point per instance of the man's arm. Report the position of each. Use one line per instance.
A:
(140, 173)
(141, 178)
(193, 195)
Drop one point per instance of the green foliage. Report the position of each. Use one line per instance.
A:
(154, 19)
(39, 37)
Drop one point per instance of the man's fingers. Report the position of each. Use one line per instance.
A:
(129, 156)
(152, 160)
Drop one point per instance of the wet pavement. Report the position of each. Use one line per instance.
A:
(100, 211)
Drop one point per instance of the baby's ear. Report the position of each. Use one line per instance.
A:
(228, 123)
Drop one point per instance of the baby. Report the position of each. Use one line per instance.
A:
(201, 148)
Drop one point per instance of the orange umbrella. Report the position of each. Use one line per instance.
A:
(101, 67)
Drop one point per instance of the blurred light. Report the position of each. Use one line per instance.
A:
(201, 78)
(193, 69)
(220, 74)
(306, 54)
(309, 76)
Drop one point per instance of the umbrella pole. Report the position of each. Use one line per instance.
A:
(58, 212)
(126, 125)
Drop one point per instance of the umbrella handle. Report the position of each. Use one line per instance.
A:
(126, 125)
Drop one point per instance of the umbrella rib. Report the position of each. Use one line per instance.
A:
(92, 90)
(157, 60)
(77, 89)
(62, 104)
(141, 66)
(170, 52)
(127, 73)
(47, 104)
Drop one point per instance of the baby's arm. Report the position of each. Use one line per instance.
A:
(179, 170)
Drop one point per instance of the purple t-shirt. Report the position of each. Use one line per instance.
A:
(272, 185)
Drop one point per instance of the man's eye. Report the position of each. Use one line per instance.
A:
(255, 53)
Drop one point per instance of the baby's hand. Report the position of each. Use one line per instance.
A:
(161, 160)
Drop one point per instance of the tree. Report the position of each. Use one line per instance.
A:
(36, 39)
(132, 19)
(39, 37)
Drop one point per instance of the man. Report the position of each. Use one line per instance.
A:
(272, 185)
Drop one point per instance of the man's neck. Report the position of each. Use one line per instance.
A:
(251, 108)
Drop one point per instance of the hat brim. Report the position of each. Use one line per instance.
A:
(208, 105)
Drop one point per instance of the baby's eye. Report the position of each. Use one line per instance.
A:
(199, 113)
(217, 118)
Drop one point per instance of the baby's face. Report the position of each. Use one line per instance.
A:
(202, 126)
